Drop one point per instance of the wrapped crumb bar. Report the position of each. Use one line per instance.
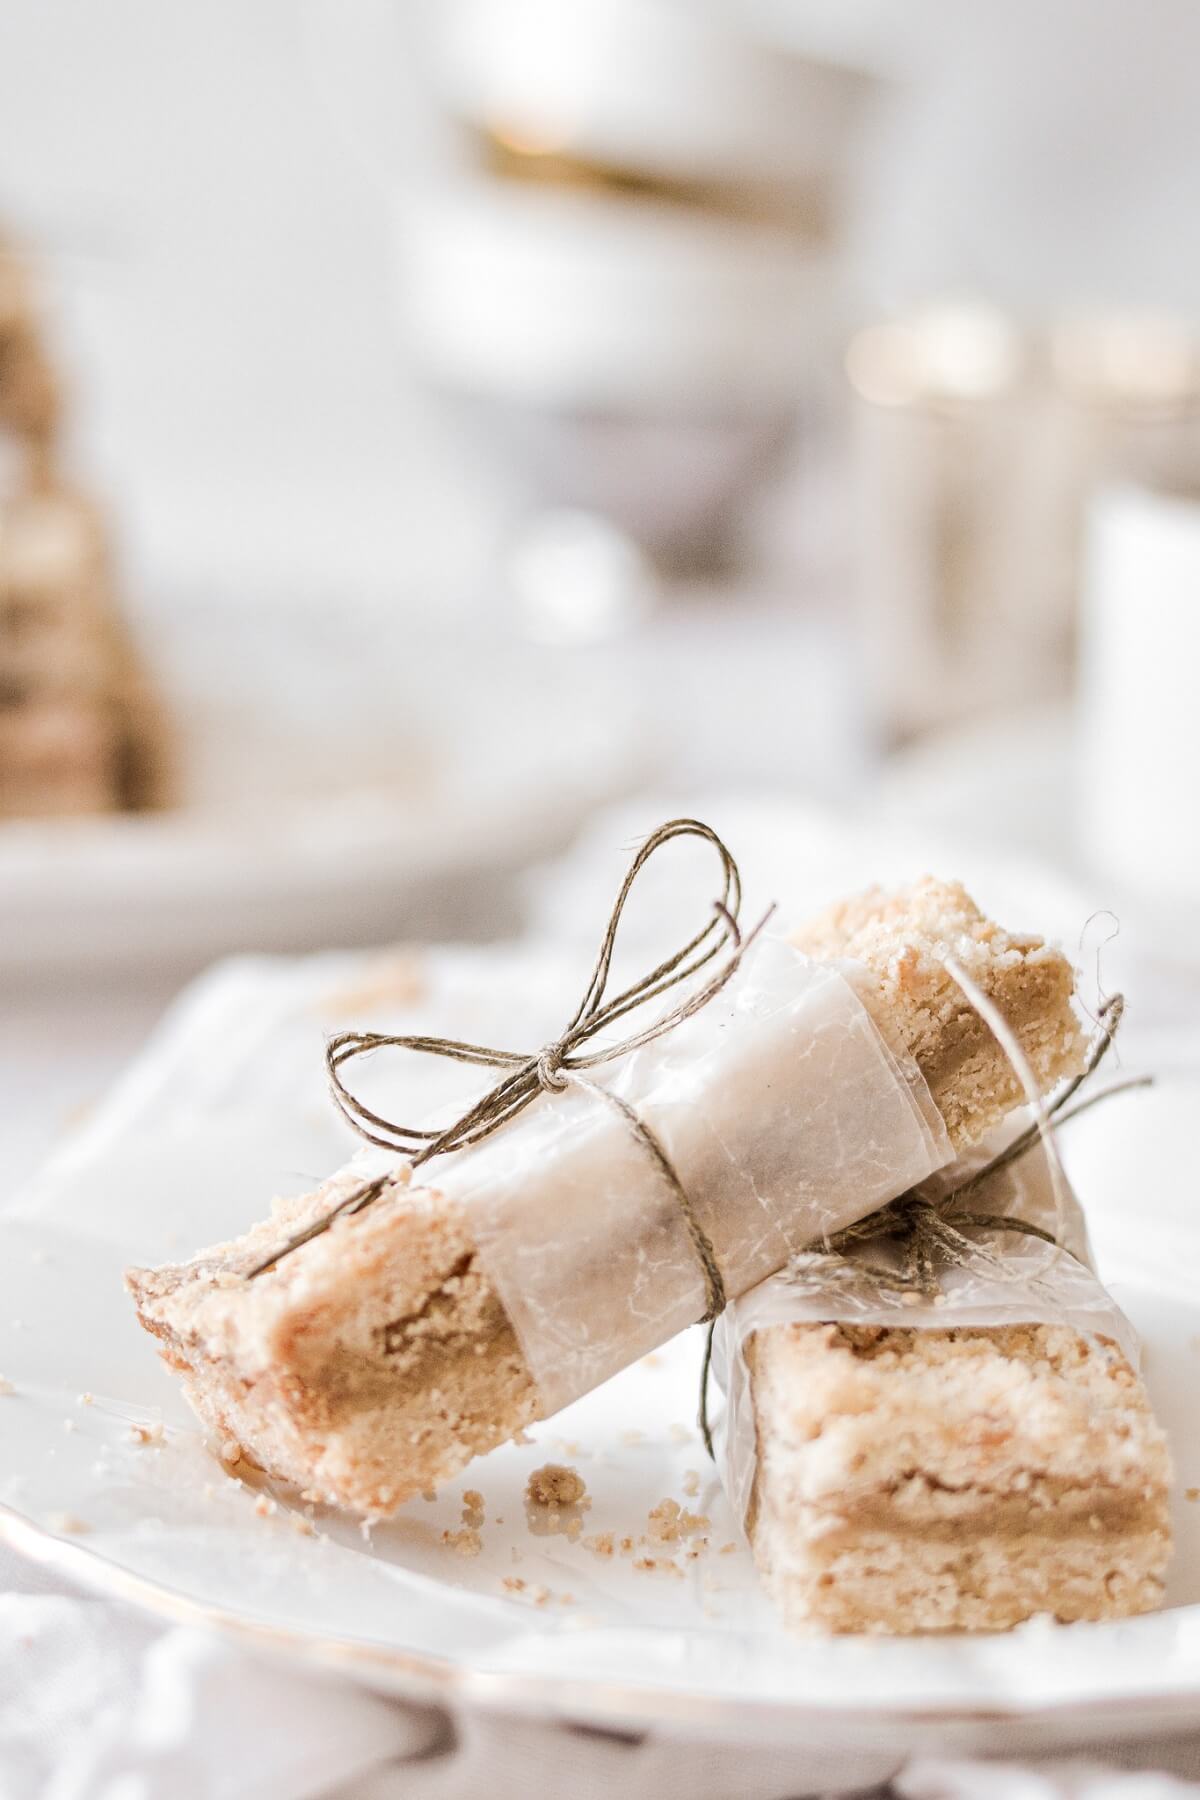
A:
(905, 1465)
(375, 1360)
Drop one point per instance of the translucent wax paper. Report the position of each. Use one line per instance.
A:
(785, 1115)
(1034, 1285)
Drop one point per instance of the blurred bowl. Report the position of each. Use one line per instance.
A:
(566, 297)
(658, 89)
(347, 778)
(627, 357)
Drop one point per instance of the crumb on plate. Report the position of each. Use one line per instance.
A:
(555, 1485)
(466, 1542)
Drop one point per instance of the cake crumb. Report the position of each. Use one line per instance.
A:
(86, 1399)
(600, 1543)
(663, 1521)
(472, 1508)
(265, 1507)
(727, 1549)
(429, 1495)
(230, 1452)
(69, 1523)
(395, 978)
(145, 1434)
(691, 1483)
(627, 1546)
(466, 1542)
(657, 1565)
(302, 1525)
(555, 1485)
(1192, 1493)
(522, 1437)
(514, 1583)
(652, 1361)
(669, 1522)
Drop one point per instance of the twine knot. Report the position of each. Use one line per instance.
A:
(719, 946)
(549, 1068)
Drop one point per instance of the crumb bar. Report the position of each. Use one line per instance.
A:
(912, 1480)
(374, 1362)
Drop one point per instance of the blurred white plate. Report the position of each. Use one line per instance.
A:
(227, 1107)
(342, 773)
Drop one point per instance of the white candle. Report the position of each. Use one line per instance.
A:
(1138, 773)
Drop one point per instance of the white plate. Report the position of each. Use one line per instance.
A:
(225, 1108)
(342, 769)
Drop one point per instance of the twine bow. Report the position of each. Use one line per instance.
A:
(564, 1061)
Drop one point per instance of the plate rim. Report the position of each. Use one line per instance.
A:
(600, 1702)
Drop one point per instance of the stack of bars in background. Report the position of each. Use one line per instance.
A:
(80, 730)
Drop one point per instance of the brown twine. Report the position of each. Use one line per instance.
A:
(929, 1234)
(559, 1064)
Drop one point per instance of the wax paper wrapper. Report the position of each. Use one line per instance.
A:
(785, 1115)
(1005, 1280)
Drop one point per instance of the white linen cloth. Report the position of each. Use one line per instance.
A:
(98, 1702)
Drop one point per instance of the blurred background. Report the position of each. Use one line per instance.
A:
(424, 425)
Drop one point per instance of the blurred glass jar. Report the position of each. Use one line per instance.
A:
(945, 537)
(978, 445)
(1126, 406)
